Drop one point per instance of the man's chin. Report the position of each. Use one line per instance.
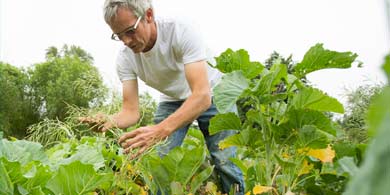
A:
(136, 50)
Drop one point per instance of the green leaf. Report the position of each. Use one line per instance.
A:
(77, 178)
(230, 61)
(348, 165)
(378, 112)
(240, 164)
(161, 176)
(318, 58)
(373, 176)
(6, 184)
(176, 188)
(39, 180)
(269, 81)
(179, 165)
(22, 190)
(190, 163)
(297, 119)
(87, 155)
(344, 149)
(228, 90)
(314, 99)
(310, 136)
(284, 163)
(228, 121)
(22, 151)
(25, 179)
(200, 178)
(250, 138)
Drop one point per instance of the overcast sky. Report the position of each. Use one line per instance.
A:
(260, 27)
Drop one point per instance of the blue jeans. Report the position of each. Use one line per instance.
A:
(228, 173)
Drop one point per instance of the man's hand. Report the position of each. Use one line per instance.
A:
(142, 139)
(98, 123)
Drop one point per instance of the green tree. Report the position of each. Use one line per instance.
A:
(67, 77)
(16, 109)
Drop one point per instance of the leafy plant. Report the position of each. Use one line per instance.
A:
(283, 131)
(73, 167)
(179, 172)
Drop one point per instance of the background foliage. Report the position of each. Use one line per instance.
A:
(17, 110)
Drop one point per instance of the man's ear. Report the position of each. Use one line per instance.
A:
(149, 15)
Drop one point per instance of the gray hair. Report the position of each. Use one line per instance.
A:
(111, 7)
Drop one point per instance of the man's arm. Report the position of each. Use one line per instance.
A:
(198, 102)
(129, 115)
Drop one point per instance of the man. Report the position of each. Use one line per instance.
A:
(169, 56)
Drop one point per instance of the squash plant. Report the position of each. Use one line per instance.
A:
(86, 166)
(96, 165)
(180, 171)
(284, 130)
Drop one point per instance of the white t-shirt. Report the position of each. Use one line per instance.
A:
(162, 68)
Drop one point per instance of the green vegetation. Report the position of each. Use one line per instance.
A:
(373, 176)
(287, 138)
(44, 90)
(287, 141)
(65, 78)
(17, 110)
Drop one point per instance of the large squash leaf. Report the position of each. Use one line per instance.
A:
(228, 90)
(314, 99)
(310, 136)
(230, 61)
(228, 121)
(22, 151)
(250, 138)
(297, 119)
(26, 179)
(87, 155)
(318, 58)
(176, 168)
(76, 179)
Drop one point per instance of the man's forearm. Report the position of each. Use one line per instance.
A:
(125, 119)
(188, 112)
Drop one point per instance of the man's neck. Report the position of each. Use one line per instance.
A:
(153, 38)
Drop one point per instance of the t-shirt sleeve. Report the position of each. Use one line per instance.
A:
(124, 68)
(190, 44)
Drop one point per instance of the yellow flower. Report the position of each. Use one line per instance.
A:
(258, 189)
(324, 155)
